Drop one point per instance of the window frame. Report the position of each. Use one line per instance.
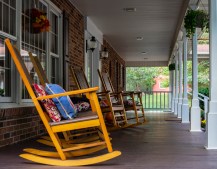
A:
(16, 82)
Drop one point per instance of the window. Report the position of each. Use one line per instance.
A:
(7, 29)
(8, 17)
(54, 39)
(46, 45)
(5, 71)
(35, 43)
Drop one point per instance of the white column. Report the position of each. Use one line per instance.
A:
(176, 86)
(195, 109)
(180, 80)
(211, 126)
(172, 90)
(185, 107)
(170, 87)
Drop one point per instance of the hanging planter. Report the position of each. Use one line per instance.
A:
(172, 66)
(38, 21)
(195, 19)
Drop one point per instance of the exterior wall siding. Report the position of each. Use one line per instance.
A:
(76, 35)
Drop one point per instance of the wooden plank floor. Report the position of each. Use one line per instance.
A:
(162, 143)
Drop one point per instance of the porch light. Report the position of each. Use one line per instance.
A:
(104, 53)
(91, 44)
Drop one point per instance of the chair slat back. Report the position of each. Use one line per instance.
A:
(80, 78)
(27, 80)
(106, 81)
(24, 73)
(39, 70)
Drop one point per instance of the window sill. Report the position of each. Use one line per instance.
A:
(15, 105)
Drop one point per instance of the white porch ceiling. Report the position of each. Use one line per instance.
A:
(157, 21)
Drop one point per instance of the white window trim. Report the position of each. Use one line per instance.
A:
(17, 88)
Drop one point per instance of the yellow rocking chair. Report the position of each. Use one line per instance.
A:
(94, 134)
(91, 119)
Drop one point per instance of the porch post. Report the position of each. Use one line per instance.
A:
(195, 109)
(180, 80)
(170, 88)
(185, 107)
(176, 84)
(211, 126)
(173, 89)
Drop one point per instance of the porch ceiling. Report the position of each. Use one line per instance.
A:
(157, 21)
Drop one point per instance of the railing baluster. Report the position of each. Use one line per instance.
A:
(157, 100)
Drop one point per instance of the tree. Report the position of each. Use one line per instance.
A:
(203, 73)
(142, 78)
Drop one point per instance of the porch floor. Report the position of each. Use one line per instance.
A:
(162, 143)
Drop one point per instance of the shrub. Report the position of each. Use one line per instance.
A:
(204, 91)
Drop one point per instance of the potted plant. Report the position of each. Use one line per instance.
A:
(194, 19)
(172, 66)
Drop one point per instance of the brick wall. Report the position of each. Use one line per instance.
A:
(19, 124)
(76, 35)
(113, 66)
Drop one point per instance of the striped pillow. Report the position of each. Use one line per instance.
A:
(47, 104)
(65, 106)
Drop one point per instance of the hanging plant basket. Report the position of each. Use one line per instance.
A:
(38, 21)
(172, 66)
(195, 19)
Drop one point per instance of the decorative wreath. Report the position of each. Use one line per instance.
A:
(38, 21)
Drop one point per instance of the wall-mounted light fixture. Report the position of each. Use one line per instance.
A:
(91, 44)
(104, 53)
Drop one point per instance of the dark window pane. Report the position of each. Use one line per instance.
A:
(13, 3)
(1, 15)
(54, 70)
(54, 23)
(6, 1)
(12, 22)
(5, 19)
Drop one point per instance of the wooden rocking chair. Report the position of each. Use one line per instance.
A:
(115, 111)
(91, 119)
(135, 105)
(94, 134)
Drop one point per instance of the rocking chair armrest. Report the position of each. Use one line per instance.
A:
(117, 93)
(102, 93)
(127, 93)
(74, 92)
(137, 92)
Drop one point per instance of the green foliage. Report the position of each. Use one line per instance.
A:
(165, 83)
(142, 78)
(204, 91)
(204, 39)
(2, 92)
(193, 19)
(203, 121)
(203, 73)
